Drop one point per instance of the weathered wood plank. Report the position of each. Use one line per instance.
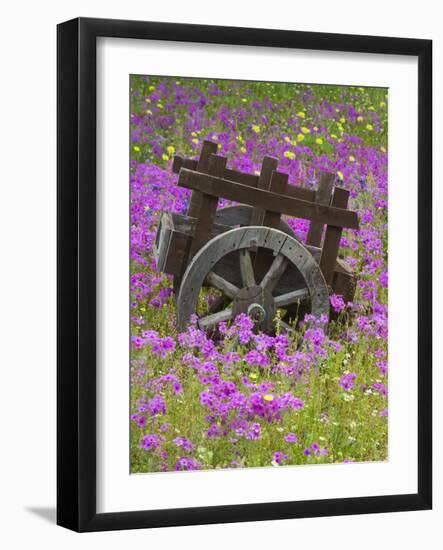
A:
(278, 184)
(344, 281)
(331, 244)
(323, 195)
(208, 148)
(207, 208)
(251, 180)
(181, 162)
(302, 193)
(269, 165)
(219, 187)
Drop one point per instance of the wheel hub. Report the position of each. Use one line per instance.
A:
(258, 303)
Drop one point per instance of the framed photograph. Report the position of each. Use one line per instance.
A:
(244, 274)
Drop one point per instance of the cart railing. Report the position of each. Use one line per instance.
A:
(267, 200)
(270, 196)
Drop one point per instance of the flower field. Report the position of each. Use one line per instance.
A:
(247, 399)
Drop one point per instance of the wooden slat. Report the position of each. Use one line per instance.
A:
(208, 148)
(322, 196)
(333, 233)
(180, 162)
(207, 208)
(219, 187)
(300, 193)
(344, 281)
(279, 184)
(264, 257)
(251, 180)
(269, 165)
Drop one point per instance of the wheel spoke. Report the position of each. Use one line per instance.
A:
(274, 273)
(291, 297)
(227, 288)
(210, 321)
(246, 268)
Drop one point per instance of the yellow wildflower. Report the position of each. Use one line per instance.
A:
(151, 88)
(333, 136)
(305, 130)
(136, 148)
(243, 149)
(369, 127)
(371, 108)
(289, 155)
(195, 140)
(301, 114)
(383, 149)
(300, 137)
(256, 128)
(359, 118)
(148, 112)
(319, 141)
(340, 175)
(194, 134)
(170, 149)
(351, 158)
(288, 139)
(165, 157)
(268, 397)
(342, 120)
(148, 100)
(382, 104)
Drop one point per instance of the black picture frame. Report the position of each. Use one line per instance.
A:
(76, 265)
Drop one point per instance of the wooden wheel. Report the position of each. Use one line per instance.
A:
(259, 299)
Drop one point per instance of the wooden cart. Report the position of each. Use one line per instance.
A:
(248, 252)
